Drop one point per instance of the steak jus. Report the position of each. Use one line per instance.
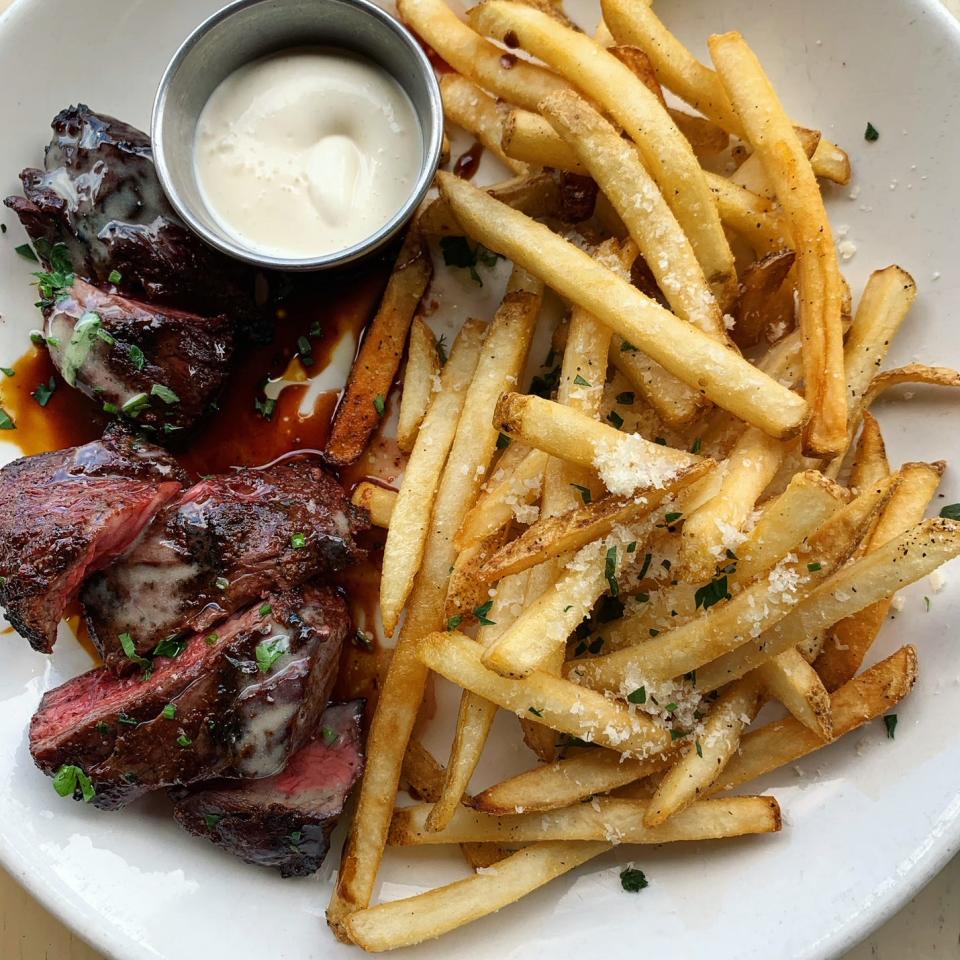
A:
(284, 821)
(68, 513)
(224, 542)
(159, 366)
(235, 703)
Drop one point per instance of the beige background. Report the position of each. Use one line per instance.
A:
(928, 927)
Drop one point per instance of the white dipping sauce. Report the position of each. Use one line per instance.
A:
(307, 152)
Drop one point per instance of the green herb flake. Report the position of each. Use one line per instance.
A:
(638, 696)
(815, 567)
(627, 347)
(535, 711)
(8, 371)
(164, 393)
(212, 819)
(711, 593)
(26, 251)
(581, 381)
(646, 566)
(481, 614)
(211, 639)
(585, 495)
(102, 728)
(610, 571)
(130, 650)
(442, 350)
(137, 357)
(127, 720)
(135, 405)
(673, 517)
(265, 407)
(114, 277)
(457, 252)
(455, 621)
(184, 741)
(697, 444)
(44, 392)
(169, 711)
(926, 604)
(170, 647)
(330, 736)
(871, 134)
(615, 419)
(503, 441)
(679, 734)
(268, 652)
(266, 609)
(305, 351)
(890, 722)
(37, 338)
(633, 880)
(379, 404)
(6, 421)
(951, 511)
(68, 778)
(699, 748)
(298, 540)
(626, 398)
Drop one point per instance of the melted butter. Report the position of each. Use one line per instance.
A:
(307, 152)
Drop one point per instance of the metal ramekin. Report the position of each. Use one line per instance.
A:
(249, 29)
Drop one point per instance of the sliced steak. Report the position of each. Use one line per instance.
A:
(99, 195)
(284, 821)
(224, 542)
(237, 703)
(68, 513)
(159, 367)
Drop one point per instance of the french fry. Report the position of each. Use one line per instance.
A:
(870, 463)
(529, 138)
(476, 714)
(706, 138)
(757, 306)
(774, 139)
(616, 167)
(466, 105)
(568, 781)
(521, 83)
(407, 538)
(751, 175)
(508, 499)
(911, 373)
(575, 438)
(753, 612)
(552, 537)
(666, 152)
(687, 353)
(699, 768)
(422, 771)
(633, 21)
(640, 67)
(480, 856)
(376, 365)
(709, 531)
(858, 701)
(879, 574)
(789, 679)
(404, 923)
(556, 703)
(613, 820)
(754, 218)
(377, 500)
(466, 590)
(851, 638)
(423, 364)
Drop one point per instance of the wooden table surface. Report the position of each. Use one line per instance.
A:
(928, 927)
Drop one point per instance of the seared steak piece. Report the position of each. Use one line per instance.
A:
(99, 195)
(284, 821)
(68, 513)
(158, 366)
(224, 542)
(235, 703)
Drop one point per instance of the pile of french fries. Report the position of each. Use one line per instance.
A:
(692, 516)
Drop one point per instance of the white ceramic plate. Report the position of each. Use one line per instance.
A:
(867, 821)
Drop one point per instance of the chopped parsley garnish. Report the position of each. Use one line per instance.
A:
(37, 338)
(695, 447)
(678, 734)
(699, 748)
(130, 650)
(379, 404)
(442, 349)
(169, 711)
(44, 392)
(890, 722)
(581, 381)
(221, 583)
(610, 571)
(585, 495)
(211, 639)
(711, 593)
(615, 419)
(135, 405)
(68, 778)
(26, 251)
(268, 652)
(926, 604)
(212, 819)
(266, 609)
(633, 880)
(627, 347)
(52, 284)
(632, 546)
(951, 511)
(164, 393)
(265, 407)
(671, 708)
(503, 441)
(815, 566)
(535, 711)
(298, 540)
(102, 728)
(673, 517)
(6, 421)
(455, 621)
(171, 647)
(646, 566)
(8, 371)
(127, 720)
(330, 736)
(626, 398)
(457, 252)
(481, 613)
(137, 357)
(544, 385)
(183, 740)
(638, 696)
(115, 276)
(871, 134)
(305, 351)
